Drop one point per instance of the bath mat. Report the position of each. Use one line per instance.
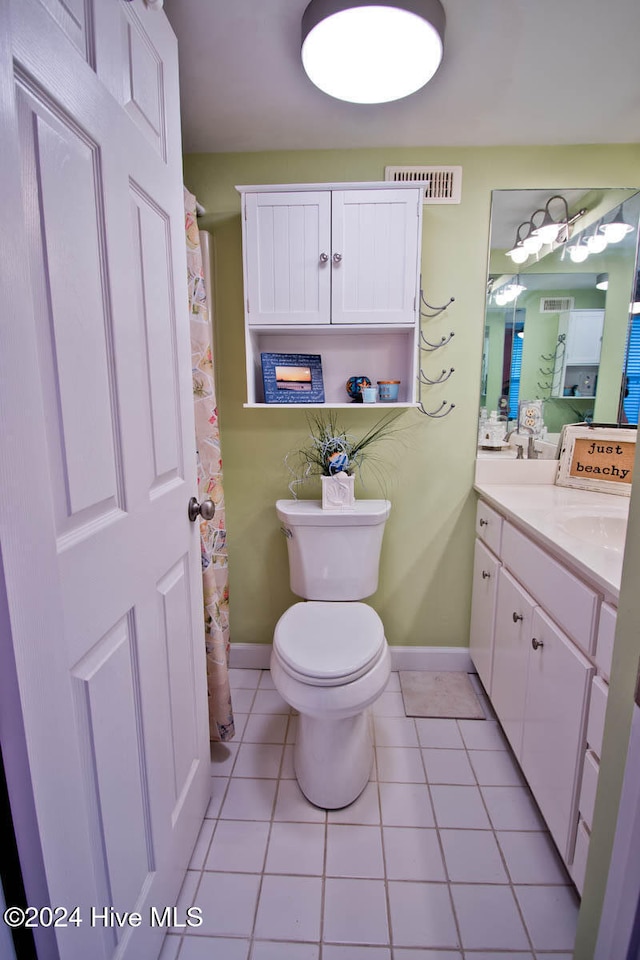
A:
(429, 694)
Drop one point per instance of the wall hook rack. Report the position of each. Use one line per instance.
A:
(434, 346)
(435, 414)
(441, 379)
(425, 345)
(545, 373)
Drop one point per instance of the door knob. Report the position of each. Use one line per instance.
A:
(537, 643)
(486, 575)
(206, 509)
(517, 616)
(324, 257)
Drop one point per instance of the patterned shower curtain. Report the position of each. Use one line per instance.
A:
(213, 532)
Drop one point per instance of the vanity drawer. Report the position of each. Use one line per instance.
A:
(489, 526)
(589, 786)
(597, 710)
(566, 599)
(604, 643)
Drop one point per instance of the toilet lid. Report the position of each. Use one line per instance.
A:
(329, 642)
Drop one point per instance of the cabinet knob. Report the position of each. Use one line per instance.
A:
(517, 616)
(324, 257)
(536, 643)
(337, 257)
(486, 575)
(483, 522)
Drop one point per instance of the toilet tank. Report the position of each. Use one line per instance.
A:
(333, 555)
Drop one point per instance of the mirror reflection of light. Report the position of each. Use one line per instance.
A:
(579, 253)
(596, 243)
(518, 254)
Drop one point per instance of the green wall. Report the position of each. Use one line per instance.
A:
(425, 584)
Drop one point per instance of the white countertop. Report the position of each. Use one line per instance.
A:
(540, 508)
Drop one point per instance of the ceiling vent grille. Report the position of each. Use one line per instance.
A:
(441, 184)
(556, 304)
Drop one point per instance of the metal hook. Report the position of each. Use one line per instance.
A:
(435, 346)
(544, 386)
(441, 379)
(545, 373)
(437, 309)
(435, 414)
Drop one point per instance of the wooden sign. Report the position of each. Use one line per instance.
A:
(597, 458)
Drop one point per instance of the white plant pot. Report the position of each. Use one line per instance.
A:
(337, 492)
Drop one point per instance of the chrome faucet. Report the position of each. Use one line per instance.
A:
(532, 453)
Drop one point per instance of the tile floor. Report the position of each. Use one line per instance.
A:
(443, 857)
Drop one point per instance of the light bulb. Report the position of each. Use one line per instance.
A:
(579, 253)
(533, 244)
(518, 254)
(596, 243)
(548, 233)
(614, 232)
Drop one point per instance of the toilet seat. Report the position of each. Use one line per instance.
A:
(329, 643)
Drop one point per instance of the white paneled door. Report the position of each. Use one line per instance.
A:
(100, 563)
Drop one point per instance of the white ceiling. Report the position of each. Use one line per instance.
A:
(514, 72)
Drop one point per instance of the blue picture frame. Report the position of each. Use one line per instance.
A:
(292, 377)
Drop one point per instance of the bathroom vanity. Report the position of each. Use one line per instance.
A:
(546, 581)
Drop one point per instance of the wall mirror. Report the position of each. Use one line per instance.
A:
(562, 321)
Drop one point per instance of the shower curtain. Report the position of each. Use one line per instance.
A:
(213, 532)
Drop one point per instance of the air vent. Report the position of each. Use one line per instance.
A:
(556, 304)
(441, 184)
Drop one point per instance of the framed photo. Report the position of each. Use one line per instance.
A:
(597, 458)
(292, 377)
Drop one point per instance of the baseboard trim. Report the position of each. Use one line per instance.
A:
(256, 656)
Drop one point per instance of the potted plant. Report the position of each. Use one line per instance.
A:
(335, 455)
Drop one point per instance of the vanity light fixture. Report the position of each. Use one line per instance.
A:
(548, 231)
(602, 281)
(617, 228)
(551, 230)
(372, 51)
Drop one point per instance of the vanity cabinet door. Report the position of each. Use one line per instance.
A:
(554, 729)
(512, 640)
(288, 258)
(483, 612)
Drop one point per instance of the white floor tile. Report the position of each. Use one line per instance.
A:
(448, 766)
(228, 903)
(258, 760)
(354, 851)
(202, 845)
(289, 908)
(218, 789)
(435, 732)
(402, 953)
(344, 952)
(481, 955)
(278, 950)
(208, 948)
(364, 810)
(291, 804)
(249, 799)
(406, 804)
(355, 911)
(495, 768)
(459, 807)
(238, 846)
(187, 895)
(243, 679)
(532, 858)
(551, 916)
(223, 757)
(287, 771)
(421, 915)
(400, 765)
(488, 917)
(554, 956)
(393, 683)
(389, 705)
(269, 701)
(472, 856)
(241, 701)
(170, 947)
(482, 735)
(395, 732)
(266, 681)
(512, 808)
(296, 848)
(265, 728)
(412, 853)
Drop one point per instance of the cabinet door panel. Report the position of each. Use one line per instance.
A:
(286, 281)
(554, 729)
(376, 236)
(483, 611)
(514, 615)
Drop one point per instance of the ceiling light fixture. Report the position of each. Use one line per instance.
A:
(372, 51)
(602, 281)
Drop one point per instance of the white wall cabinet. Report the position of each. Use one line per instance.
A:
(334, 270)
(582, 330)
(537, 655)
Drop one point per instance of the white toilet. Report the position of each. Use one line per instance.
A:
(330, 658)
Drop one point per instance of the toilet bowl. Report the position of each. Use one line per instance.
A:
(330, 660)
